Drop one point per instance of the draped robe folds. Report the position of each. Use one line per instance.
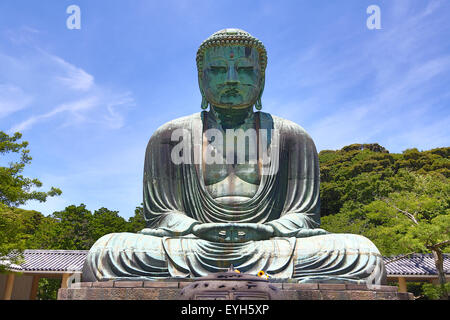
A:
(176, 199)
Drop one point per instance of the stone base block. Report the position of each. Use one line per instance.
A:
(171, 290)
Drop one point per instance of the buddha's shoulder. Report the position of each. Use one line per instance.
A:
(180, 123)
(165, 131)
(285, 126)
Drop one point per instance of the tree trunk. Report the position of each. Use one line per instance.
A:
(439, 262)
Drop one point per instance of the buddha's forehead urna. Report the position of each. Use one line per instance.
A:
(231, 37)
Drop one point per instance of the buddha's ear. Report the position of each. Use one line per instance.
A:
(258, 104)
(204, 105)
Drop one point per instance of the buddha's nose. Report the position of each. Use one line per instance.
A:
(232, 77)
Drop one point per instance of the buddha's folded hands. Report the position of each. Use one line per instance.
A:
(233, 232)
(171, 224)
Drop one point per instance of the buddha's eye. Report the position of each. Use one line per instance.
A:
(218, 69)
(245, 69)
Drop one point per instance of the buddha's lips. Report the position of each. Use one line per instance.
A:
(231, 92)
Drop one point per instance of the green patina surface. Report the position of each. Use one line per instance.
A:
(202, 217)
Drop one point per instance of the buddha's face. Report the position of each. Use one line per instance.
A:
(231, 76)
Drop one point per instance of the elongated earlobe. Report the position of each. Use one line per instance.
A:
(258, 104)
(204, 103)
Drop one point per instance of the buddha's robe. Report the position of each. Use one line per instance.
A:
(175, 199)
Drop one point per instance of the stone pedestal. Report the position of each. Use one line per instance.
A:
(186, 290)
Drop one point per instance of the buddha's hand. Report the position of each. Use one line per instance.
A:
(233, 232)
(154, 232)
(162, 232)
(304, 233)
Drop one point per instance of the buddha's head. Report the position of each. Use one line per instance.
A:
(231, 70)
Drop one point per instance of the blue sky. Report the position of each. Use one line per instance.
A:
(88, 100)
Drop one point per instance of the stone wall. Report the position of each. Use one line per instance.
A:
(170, 290)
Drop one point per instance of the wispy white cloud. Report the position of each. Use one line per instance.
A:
(72, 107)
(51, 86)
(41, 94)
(12, 99)
(371, 90)
(22, 35)
(99, 180)
(74, 78)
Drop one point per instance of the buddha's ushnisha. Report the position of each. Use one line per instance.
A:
(203, 217)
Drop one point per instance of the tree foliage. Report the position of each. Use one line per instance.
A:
(74, 228)
(399, 201)
(426, 197)
(363, 172)
(17, 225)
(15, 189)
(17, 228)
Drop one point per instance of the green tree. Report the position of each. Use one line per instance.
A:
(427, 208)
(15, 224)
(48, 288)
(435, 292)
(17, 231)
(68, 229)
(15, 189)
(11, 239)
(76, 228)
(137, 222)
(105, 221)
(414, 218)
(362, 172)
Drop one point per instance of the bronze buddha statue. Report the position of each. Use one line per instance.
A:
(254, 206)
